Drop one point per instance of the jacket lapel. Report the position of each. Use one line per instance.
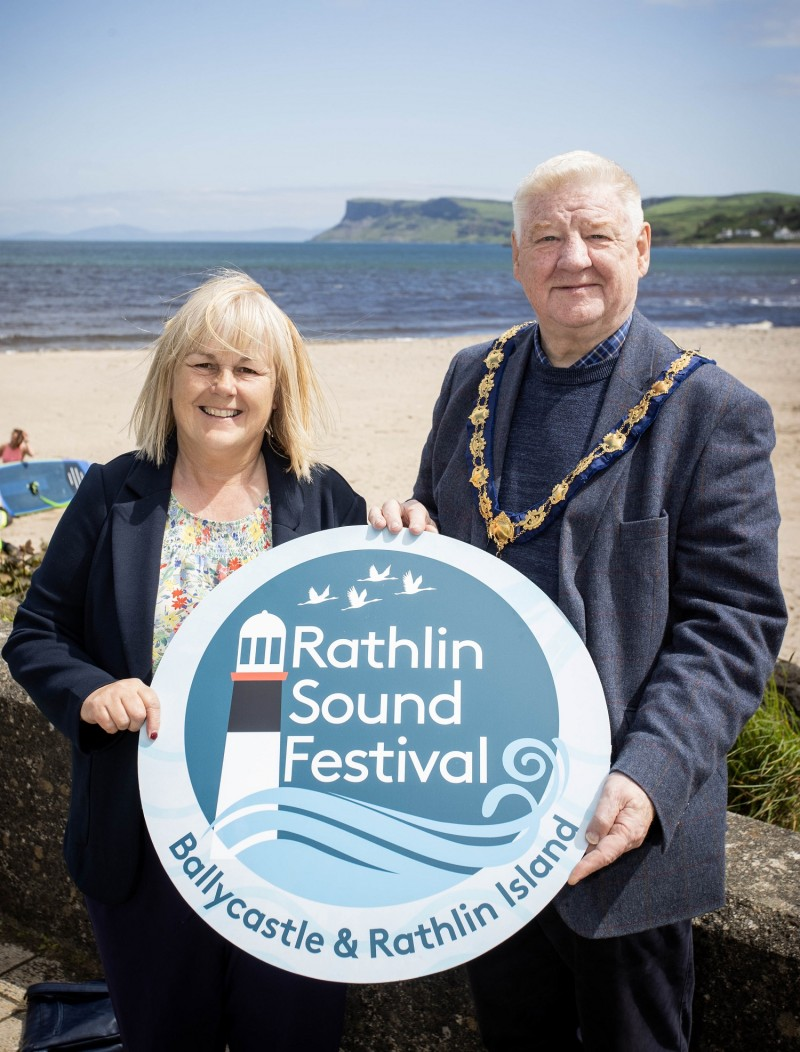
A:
(285, 495)
(632, 376)
(513, 375)
(138, 519)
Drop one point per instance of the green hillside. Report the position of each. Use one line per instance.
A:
(442, 220)
(675, 220)
(691, 220)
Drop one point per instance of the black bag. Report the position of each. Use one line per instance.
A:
(72, 1017)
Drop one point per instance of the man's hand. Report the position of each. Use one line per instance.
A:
(620, 823)
(123, 706)
(393, 516)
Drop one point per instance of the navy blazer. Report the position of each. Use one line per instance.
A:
(668, 571)
(88, 620)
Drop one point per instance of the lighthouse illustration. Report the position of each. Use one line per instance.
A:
(253, 743)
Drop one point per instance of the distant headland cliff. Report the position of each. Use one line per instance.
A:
(738, 218)
(440, 220)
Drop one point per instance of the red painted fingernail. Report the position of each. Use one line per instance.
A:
(153, 736)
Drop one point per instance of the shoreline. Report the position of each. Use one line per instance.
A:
(141, 348)
(62, 239)
(77, 403)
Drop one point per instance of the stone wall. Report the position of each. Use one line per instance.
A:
(748, 954)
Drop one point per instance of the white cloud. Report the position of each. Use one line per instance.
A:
(788, 83)
(686, 4)
(772, 25)
(778, 25)
(777, 33)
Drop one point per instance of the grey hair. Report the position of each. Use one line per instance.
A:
(582, 167)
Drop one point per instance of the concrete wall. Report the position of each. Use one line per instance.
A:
(748, 954)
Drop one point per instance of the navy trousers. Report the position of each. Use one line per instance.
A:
(176, 983)
(548, 988)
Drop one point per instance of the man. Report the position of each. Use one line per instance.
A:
(632, 483)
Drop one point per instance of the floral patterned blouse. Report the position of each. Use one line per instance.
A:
(196, 555)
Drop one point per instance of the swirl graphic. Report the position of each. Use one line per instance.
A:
(375, 855)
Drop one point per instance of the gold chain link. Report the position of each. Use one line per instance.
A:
(500, 528)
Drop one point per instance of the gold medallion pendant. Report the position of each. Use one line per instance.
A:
(502, 528)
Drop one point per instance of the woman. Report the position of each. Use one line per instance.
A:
(17, 449)
(226, 423)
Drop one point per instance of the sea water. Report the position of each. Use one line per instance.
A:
(59, 294)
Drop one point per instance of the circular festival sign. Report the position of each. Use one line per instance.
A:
(378, 754)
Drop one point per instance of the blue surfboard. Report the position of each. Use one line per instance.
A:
(39, 485)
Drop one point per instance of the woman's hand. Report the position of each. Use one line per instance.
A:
(393, 516)
(123, 706)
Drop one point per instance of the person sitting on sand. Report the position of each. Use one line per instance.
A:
(17, 449)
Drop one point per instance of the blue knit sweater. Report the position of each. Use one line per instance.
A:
(551, 429)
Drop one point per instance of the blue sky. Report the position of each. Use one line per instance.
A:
(177, 115)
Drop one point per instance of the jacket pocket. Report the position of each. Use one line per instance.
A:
(640, 566)
(624, 584)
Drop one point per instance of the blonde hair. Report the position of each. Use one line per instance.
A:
(583, 167)
(233, 311)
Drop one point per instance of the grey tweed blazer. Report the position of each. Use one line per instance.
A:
(668, 571)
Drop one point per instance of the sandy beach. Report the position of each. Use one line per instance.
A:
(77, 403)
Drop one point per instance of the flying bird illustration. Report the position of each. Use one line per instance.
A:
(412, 585)
(315, 597)
(376, 575)
(357, 599)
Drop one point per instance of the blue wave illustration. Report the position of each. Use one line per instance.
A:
(346, 852)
